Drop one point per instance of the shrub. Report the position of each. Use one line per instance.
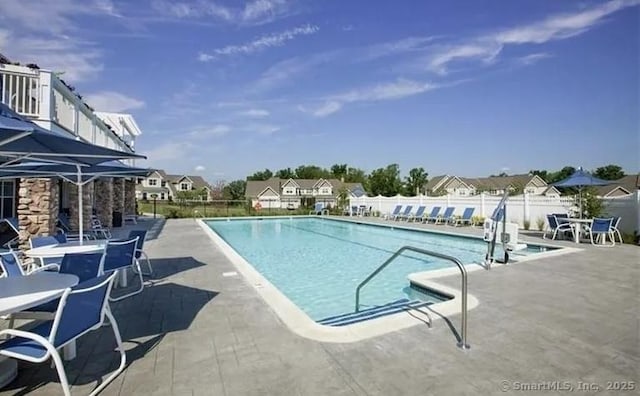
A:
(477, 220)
(527, 224)
(540, 223)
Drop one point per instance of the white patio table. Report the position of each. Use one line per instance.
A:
(23, 292)
(578, 226)
(61, 249)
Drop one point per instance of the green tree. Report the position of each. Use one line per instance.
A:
(415, 181)
(591, 204)
(355, 175)
(285, 173)
(542, 173)
(385, 181)
(342, 198)
(235, 190)
(609, 172)
(261, 175)
(311, 172)
(339, 170)
(561, 174)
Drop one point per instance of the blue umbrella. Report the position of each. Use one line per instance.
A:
(580, 179)
(78, 175)
(22, 139)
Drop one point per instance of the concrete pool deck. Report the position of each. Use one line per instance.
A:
(201, 330)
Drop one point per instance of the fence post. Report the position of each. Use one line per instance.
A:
(482, 205)
(527, 211)
(448, 200)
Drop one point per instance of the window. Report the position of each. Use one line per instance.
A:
(184, 186)
(152, 182)
(289, 190)
(325, 190)
(163, 183)
(7, 198)
(162, 196)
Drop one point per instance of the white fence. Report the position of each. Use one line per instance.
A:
(519, 208)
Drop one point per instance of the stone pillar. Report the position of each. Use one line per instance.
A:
(104, 200)
(37, 208)
(118, 195)
(87, 204)
(130, 197)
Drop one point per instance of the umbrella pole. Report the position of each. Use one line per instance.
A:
(81, 208)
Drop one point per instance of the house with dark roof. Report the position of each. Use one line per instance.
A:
(624, 186)
(493, 185)
(166, 187)
(293, 193)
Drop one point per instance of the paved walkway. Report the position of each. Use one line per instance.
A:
(196, 332)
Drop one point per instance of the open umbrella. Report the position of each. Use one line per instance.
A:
(581, 179)
(77, 175)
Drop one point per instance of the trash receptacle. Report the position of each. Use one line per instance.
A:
(117, 219)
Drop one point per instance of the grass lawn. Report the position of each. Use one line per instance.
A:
(211, 209)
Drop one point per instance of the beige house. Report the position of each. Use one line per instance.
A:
(624, 186)
(293, 193)
(494, 185)
(166, 187)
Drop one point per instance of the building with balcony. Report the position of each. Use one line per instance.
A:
(42, 96)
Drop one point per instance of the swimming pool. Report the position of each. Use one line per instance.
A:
(318, 263)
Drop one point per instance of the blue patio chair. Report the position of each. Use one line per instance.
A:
(354, 210)
(11, 232)
(82, 309)
(615, 223)
(395, 212)
(98, 230)
(405, 214)
(141, 235)
(11, 266)
(418, 215)
(466, 217)
(558, 227)
(64, 224)
(602, 228)
(40, 241)
(120, 256)
(447, 216)
(434, 215)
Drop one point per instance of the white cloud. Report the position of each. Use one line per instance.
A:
(208, 132)
(253, 12)
(113, 101)
(255, 113)
(531, 59)
(324, 110)
(199, 168)
(259, 44)
(555, 27)
(169, 151)
(262, 129)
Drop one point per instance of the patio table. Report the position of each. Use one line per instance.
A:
(60, 249)
(578, 223)
(23, 292)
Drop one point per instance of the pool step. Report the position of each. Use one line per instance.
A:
(371, 313)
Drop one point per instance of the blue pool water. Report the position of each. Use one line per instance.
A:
(318, 263)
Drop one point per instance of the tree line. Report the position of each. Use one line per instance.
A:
(387, 181)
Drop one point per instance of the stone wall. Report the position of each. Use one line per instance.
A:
(87, 194)
(104, 200)
(118, 195)
(37, 208)
(130, 197)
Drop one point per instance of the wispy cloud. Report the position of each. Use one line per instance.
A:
(199, 168)
(556, 27)
(254, 113)
(259, 44)
(113, 101)
(253, 12)
(208, 132)
(381, 92)
(531, 59)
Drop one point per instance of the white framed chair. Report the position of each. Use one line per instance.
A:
(601, 228)
(82, 309)
(120, 256)
(615, 230)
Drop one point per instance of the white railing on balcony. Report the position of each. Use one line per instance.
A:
(20, 90)
(42, 96)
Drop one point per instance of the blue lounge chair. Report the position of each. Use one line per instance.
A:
(405, 214)
(466, 217)
(447, 216)
(435, 212)
(418, 215)
(64, 225)
(395, 212)
(82, 309)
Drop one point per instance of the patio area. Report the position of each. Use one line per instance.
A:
(194, 331)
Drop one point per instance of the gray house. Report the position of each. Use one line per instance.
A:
(293, 193)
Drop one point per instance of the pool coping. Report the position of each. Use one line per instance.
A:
(300, 323)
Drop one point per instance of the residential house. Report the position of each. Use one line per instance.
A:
(626, 185)
(167, 187)
(293, 193)
(493, 185)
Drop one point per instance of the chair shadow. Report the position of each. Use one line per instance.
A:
(144, 321)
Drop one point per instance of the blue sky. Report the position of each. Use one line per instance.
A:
(224, 88)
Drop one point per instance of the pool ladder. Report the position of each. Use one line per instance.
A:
(463, 272)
